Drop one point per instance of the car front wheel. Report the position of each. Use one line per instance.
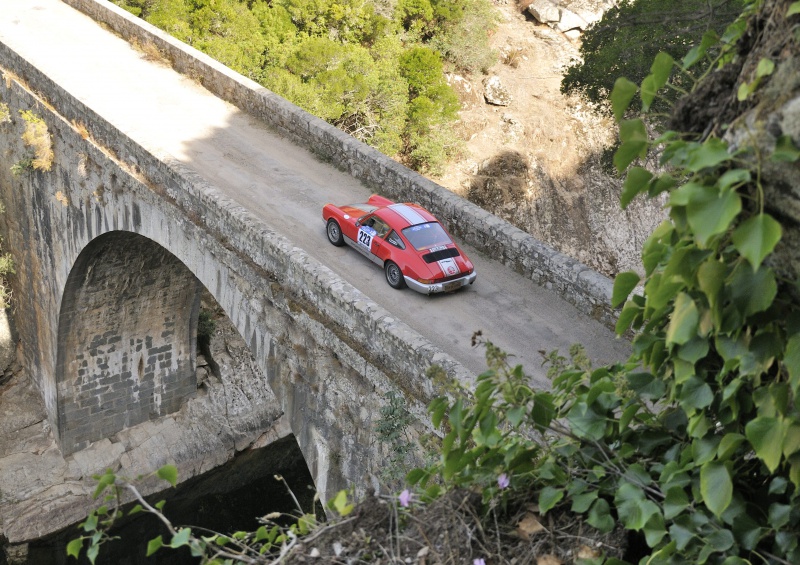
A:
(334, 233)
(394, 276)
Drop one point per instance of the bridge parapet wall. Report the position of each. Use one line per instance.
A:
(588, 290)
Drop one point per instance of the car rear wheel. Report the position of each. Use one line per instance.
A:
(394, 276)
(334, 233)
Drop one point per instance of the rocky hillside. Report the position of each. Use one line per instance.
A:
(532, 155)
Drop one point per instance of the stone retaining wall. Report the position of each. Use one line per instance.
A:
(588, 290)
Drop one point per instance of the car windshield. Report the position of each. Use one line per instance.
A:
(423, 236)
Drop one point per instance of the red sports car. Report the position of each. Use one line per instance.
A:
(405, 239)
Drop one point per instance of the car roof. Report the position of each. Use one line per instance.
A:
(400, 216)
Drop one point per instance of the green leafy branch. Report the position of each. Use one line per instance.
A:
(694, 443)
(270, 543)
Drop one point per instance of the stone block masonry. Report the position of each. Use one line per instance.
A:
(112, 381)
(579, 285)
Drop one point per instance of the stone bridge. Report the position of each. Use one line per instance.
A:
(115, 242)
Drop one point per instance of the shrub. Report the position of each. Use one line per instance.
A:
(37, 136)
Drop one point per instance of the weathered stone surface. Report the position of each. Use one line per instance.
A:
(568, 15)
(544, 11)
(570, 20)
(495, 93)
(234, 412)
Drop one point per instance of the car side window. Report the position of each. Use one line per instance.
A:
(380, 227)
(395, 240)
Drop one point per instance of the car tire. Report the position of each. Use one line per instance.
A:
(334, 232)
(394, 276)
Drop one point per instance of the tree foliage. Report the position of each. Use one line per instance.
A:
(340, 60)
(631, 34)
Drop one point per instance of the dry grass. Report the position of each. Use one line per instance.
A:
(5, 113)
(81, 129)
(513, 56)
(37, 136)
(63, 198)
(149, 51)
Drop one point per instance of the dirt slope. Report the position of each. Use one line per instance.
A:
(536, 162)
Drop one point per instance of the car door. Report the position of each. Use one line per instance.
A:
(370, 238)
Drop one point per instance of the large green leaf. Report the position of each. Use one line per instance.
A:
(756, 238)
(582, 502)
(169, 473)
(675, 502)
(633, 508)
(661, 290)
(733, 178)
(716, 486)
(752, 292)
(695, 394)
(624, 283)
(585, 422)
(646, 385)
(791, 361)
(181, 538)
(683, 324)
(766, 435)
(661, 69)
(74, 547)
(621, 96)
(600, 516)
(704, 449)
(549, 497)
(720, 540)
(711, 277)
(709, 154)
(154, 545)
(687, 193)
(635, 182)
(727, 447)
(710, 212)
(654, 529)
(779, 515)
(648, 92)
(633, 135)
(785, 151)
(791, 440)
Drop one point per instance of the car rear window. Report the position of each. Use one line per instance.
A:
(424, 236)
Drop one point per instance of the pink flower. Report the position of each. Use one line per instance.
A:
(503, 481)
(405, 498)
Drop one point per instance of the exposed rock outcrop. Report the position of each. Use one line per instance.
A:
(569, 15)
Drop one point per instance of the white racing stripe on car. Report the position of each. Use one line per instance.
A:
(408, 213)
(449, 267)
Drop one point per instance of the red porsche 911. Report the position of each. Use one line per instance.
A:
(405, 239)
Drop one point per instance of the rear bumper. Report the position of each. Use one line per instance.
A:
(449, 286)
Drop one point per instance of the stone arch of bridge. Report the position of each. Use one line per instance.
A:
(126, 338)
